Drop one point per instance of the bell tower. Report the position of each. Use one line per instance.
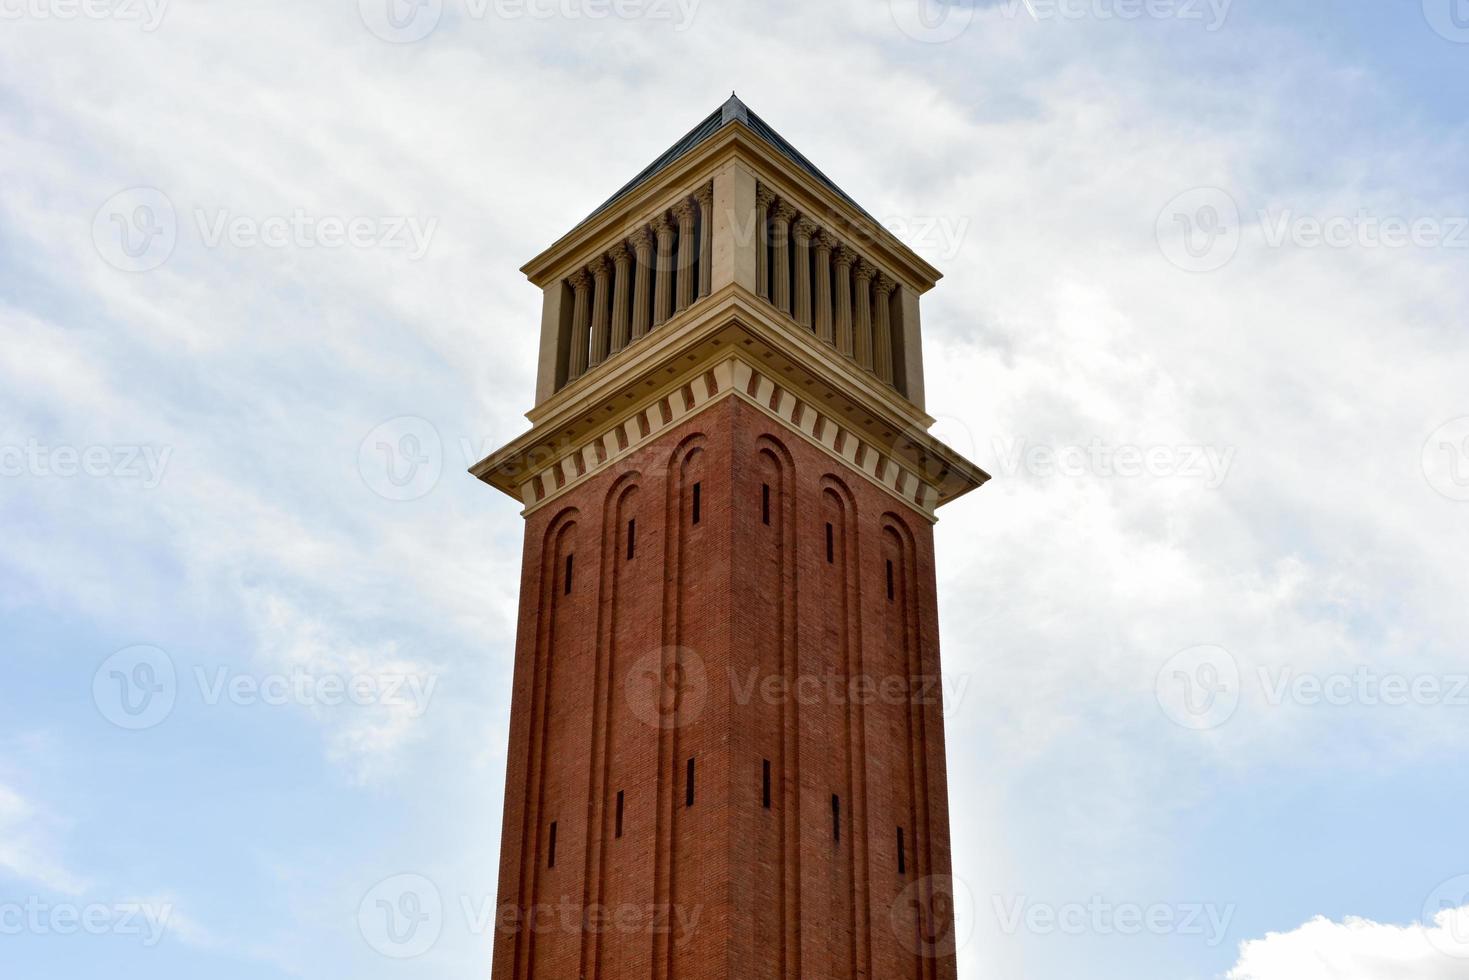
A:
(726, 755)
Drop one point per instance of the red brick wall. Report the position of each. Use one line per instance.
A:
(731, 641)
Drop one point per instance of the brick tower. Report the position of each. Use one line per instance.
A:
(726, 753)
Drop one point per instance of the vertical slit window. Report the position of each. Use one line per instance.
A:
(688, 785)
(890, 578)
(836, 818)
(765, 784)
(618, 828)
(632, 538)
(902, 854)
(566, 584)
(831, 548)
(698, 501)
(765, 503)
(551, 855)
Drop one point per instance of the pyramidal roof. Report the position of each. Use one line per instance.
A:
(731, 112)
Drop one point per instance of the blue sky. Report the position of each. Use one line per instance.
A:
(1163, 243)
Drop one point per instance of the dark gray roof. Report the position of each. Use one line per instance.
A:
(732, 111)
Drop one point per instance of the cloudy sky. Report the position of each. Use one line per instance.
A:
(1204, 318)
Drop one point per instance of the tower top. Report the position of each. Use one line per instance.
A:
(731, 265)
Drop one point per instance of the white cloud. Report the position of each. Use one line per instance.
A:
(28, 849)
(1359, 949)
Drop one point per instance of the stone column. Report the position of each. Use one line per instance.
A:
(882, 328)
(687, 270)
(803, 231)
(621, 291)
(844, 257)
(642, 243)
(601, 273)
(780, 256)
(763, 199)
(581, 322)
(863, 327)
(663, 288)
(824, 244)
(705, 200)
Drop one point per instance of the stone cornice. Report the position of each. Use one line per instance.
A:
(684, 179)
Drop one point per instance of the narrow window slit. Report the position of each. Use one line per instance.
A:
(698, 487)
(765, 784)
(765, 503)
(567, 576)
(618, 828)
(551, 856)
(688, 787)
(836, 818)
(890, 578)
(831, 548)
(632, 538)
(902, 854)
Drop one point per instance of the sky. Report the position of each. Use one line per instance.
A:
(1203, 318)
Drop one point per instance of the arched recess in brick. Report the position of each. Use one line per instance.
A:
(685, 473)
(556, 605)
(776, 592)
(843, 640)
(614, 644)
(904, 657)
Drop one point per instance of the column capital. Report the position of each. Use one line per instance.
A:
(804, 229)
(764, 196)
(580, 279)
(620, 253)
(684, 210)
(705, 196)
(884, 284)
(783, 212)
(663, 224)
(843, 256)
(865, 270)
(824, 241)
(600, 266)
(642, 238)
